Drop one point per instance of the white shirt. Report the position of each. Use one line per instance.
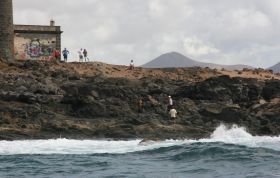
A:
(173, 113)
(170, 101)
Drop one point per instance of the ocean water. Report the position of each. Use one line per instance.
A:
(229, 152)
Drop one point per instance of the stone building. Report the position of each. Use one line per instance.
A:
(26, 42)
(35, 42)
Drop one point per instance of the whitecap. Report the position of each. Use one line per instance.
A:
(233, 135)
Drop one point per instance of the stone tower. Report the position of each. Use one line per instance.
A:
(6, 30)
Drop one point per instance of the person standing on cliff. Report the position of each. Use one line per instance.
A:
(170, 103)
(56, 55)
(85, 53)
(140, 105)
(80, 53)
(173, 115)
(65, 53)
(131, 65)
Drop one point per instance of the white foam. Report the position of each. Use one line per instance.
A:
(233, 135)
(239, 135)
(66, 146)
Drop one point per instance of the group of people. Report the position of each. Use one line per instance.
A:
(82, 53)
(170, 107)
(57, 55)
(83, 56)
(172, 111)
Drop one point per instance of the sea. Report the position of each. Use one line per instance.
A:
(227, 153)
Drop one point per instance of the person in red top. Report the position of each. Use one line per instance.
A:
(56, 55)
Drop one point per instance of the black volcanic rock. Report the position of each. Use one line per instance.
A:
(39, 102)
(271, 89)
(225, 89)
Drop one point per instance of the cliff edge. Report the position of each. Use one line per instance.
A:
(96, 100)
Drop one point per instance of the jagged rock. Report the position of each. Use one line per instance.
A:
(46, 100)
(271, 89)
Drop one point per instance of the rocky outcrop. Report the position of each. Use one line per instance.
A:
(49, 100)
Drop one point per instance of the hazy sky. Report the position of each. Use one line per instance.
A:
(115, 31)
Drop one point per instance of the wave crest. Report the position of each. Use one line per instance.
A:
(233, 135)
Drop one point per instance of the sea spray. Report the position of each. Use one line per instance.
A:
(233, 135)
(239, 136)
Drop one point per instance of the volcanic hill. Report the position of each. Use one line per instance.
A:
(175, 59)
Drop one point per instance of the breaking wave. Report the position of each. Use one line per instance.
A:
(234, 135)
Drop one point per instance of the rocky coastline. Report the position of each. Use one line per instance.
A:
(44, 100)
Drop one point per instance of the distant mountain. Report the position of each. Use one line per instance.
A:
(275, 68)
(175, 59)
(172, 59)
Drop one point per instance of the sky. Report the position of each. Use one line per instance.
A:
(117, 31)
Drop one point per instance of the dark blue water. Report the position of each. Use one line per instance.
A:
(188, 160)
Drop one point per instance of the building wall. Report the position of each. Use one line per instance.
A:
(36, 42)
(6, 30)
(34, 46)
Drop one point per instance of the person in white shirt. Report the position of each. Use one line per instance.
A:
(170, 103)
(131, 65)
(81, 56)
(173, 114)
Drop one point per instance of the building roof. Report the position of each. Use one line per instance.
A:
(37, 29)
